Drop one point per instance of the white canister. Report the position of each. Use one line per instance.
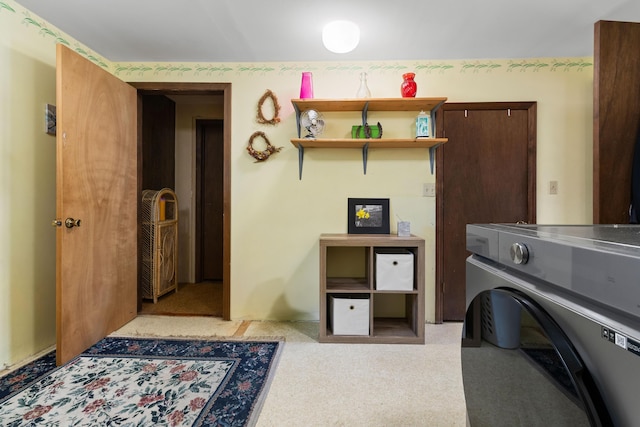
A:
(404, 228)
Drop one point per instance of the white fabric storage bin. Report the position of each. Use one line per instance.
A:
(349, 315)
(394, 270)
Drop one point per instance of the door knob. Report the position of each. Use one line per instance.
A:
(70, 223)
(56, 223)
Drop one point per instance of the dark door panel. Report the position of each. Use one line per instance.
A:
(209, 188)
(485, 173)
(158, 142)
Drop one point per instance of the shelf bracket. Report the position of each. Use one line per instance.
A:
(433, 124)
(432, 150)
(365, 154)
(365, 111)
(300, 160)
(295, 107)
(432, 155)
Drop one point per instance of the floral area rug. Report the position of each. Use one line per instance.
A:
(143, 382)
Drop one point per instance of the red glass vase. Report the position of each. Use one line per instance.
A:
(409, 86)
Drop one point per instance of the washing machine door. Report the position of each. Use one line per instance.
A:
(522, 370)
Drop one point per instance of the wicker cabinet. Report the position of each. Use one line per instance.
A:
(159, 243)
(371, 288)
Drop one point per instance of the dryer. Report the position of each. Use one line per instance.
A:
(552, 328)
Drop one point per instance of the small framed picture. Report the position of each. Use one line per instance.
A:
(368, 216)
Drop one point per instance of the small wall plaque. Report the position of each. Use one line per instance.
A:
(50, 119)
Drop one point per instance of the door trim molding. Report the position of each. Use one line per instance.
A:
(164, 88)
(531, 108)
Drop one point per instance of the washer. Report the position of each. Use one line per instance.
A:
(552, 328)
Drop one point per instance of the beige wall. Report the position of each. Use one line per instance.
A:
(276, 218)
(27, 190)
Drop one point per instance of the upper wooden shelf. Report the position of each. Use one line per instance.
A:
(372, 143)
(371, 104)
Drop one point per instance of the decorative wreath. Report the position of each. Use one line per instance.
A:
(276, 109)
(261, 155)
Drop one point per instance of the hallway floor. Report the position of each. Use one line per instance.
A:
(199, 299)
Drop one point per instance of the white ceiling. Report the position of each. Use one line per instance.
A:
(290, 30)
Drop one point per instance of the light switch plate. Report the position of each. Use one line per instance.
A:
(429, 189)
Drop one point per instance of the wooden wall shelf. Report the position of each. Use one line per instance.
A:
(366, 105)
(373, 143)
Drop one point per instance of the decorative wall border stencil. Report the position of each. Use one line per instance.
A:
(477, 66)
(220, 69)
(430, 67)
(3, 5)
(552, 65)
(56, 35)
(211, 69)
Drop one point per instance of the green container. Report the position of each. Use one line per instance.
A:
(359, 132)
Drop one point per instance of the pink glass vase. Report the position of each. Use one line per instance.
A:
(408, 88)
(306, 87)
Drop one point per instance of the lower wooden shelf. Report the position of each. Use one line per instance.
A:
(385, 331)
(365, 144)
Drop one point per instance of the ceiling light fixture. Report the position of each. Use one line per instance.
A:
(341, 36)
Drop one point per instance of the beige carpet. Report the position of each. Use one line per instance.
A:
(331, 385)
(201, 299)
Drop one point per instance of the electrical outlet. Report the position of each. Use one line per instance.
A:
(429, 189)
(553, 187)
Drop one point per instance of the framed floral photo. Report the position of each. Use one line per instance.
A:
(368, 216)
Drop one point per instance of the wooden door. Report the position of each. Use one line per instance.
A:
(96, 183)
(485, 173)
(616, 118)
(210, 192)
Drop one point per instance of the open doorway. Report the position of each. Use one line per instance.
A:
(201, 226)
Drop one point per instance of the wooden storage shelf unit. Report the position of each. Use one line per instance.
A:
(365, 105)
(348, 270)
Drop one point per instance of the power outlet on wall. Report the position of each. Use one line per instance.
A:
(429, 189)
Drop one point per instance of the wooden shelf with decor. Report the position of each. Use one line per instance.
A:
(373, 143)
(366, 105)
(350, 275)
